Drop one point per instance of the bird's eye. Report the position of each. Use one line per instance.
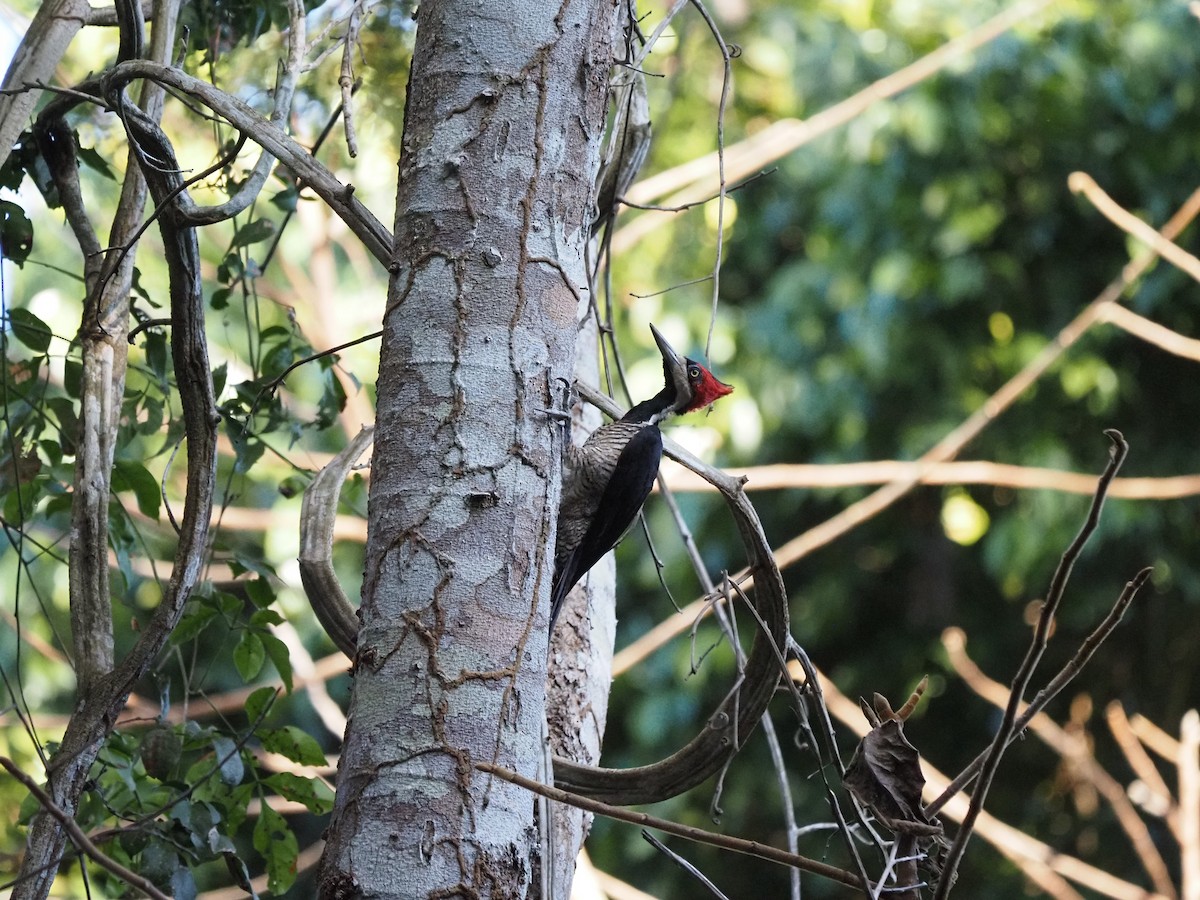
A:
(694, 372)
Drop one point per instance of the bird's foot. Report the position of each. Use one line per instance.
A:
(570, 398)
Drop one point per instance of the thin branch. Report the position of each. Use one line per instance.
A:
(346, 80)
(946, 449)
(1056, 684)
(340, 197)
(691, 180)
(1082, 183)
(81, 840)
(684, 864)
(176, 193)
(1037, 646)
(1188, 764)
(737, 845)
(784, 476)
(652, 39)
(1077, 753)
(726, 82)
(1153, 333)
(1143, 766)
(684, 207)
(1047, 866)
(312, 357)
(1155, 738)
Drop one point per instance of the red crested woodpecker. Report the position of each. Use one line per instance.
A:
(606, 481)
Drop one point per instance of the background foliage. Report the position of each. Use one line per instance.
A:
(878, 284)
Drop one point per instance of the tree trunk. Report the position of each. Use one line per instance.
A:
(505, 114)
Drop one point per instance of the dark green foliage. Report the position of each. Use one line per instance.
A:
(880, 286)
(877, 288)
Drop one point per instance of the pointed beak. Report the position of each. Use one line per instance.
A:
(670, 357)
(674, 370)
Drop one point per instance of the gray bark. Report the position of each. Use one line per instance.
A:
(502, 133)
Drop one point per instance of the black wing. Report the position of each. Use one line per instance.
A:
(626, 491)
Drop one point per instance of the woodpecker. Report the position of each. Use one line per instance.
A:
(606, 481)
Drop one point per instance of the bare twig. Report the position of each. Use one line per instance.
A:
(81, 840)
(1055, 685)
(340, 197)
(1045, 865)
(1082, 183)
(1028, 665)
(1153, 333)
(1188, 763)
(750, 848)
(1143, 766)
(1075, 750)
(1155, 738)
(683, 864)
(945, 449)
(783, 476)
(93, 719)
(726, 82)
(652, 39)
(692, 180)
(346, 80)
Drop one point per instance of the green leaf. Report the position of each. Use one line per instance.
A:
(161, 748)
(333, 400)
(261, 593)
(155, 348)
(249, 655)
(183, 884)
(277, 359)
(26, 327)
(286, 199)
(261, 618)
(219, 375)
(68, 423)
(253, 232)
(298, 746)
(141, 291)
(237, 870)
(230, 269)
(276, 842)
(281, 657)
(73, 377)
(293, 485)
(89, 157)
(12, 173)
(158, 861)
(312, 792)
(133, 476)
(16, 233)
(246, 448)
(229, 760)
(258, 702)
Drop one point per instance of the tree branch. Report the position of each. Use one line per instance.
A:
(81, 840)
(737, 845)
(1004, 733)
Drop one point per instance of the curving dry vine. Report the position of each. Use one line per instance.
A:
(725, 730)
